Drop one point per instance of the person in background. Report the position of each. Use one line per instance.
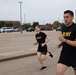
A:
(42, 53)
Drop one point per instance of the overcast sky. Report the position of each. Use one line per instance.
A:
(43, 11)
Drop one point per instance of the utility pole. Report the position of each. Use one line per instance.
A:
(24, 18)
(75, 15)
(21, 16)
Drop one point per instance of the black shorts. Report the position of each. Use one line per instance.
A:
(68, 60)
(43, 50)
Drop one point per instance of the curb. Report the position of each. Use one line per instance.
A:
(17, 57)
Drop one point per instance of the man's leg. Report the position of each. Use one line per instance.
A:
(39, 57)
(61, 69)
(75, 72)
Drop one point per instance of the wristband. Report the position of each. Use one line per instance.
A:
(65, 40)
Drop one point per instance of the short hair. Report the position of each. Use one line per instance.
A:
(38, 26)
(69, 11)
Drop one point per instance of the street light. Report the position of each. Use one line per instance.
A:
(75, 16)
(24, 18)
(58, 19)
(21, 15)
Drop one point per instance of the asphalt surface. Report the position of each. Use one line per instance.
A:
(17, 41)
(19, 44)
(31, 66)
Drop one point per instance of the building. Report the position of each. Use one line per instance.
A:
(49, 26)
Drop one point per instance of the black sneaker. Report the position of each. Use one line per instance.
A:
(51, 54)
(44, 67)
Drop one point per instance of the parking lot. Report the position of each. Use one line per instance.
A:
(25, 66)
(17, 41)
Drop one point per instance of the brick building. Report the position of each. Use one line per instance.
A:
(49, 26)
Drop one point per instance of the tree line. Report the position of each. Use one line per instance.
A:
(25, 25)
(15, 24)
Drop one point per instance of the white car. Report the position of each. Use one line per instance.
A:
(17, 30)
(6, 29)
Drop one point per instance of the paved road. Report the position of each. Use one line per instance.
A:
(31, 66)
(17, 41)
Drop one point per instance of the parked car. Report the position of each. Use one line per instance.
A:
(17, 30)
(43, 29)
(58, 29)
(6, 29)
(30, 30)
(49, 29)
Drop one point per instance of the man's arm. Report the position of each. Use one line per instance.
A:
(59, 45)
(72, 43)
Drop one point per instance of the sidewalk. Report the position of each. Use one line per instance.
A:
(16, 54)
(5, 56)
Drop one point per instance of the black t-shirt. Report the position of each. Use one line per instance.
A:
(40, 37)
(70, 34)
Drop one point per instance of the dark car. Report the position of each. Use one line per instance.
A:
(43, 29)
(30, 30)
(58, 29)
(49, 29)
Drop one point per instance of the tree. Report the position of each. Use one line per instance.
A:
(2, 24)
(62, 24)
(17, 24)
(9, 24)
(57, 23)
(27, 25)
(35, 24)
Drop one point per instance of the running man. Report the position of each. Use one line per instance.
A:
(68, 41)
(42, 52)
